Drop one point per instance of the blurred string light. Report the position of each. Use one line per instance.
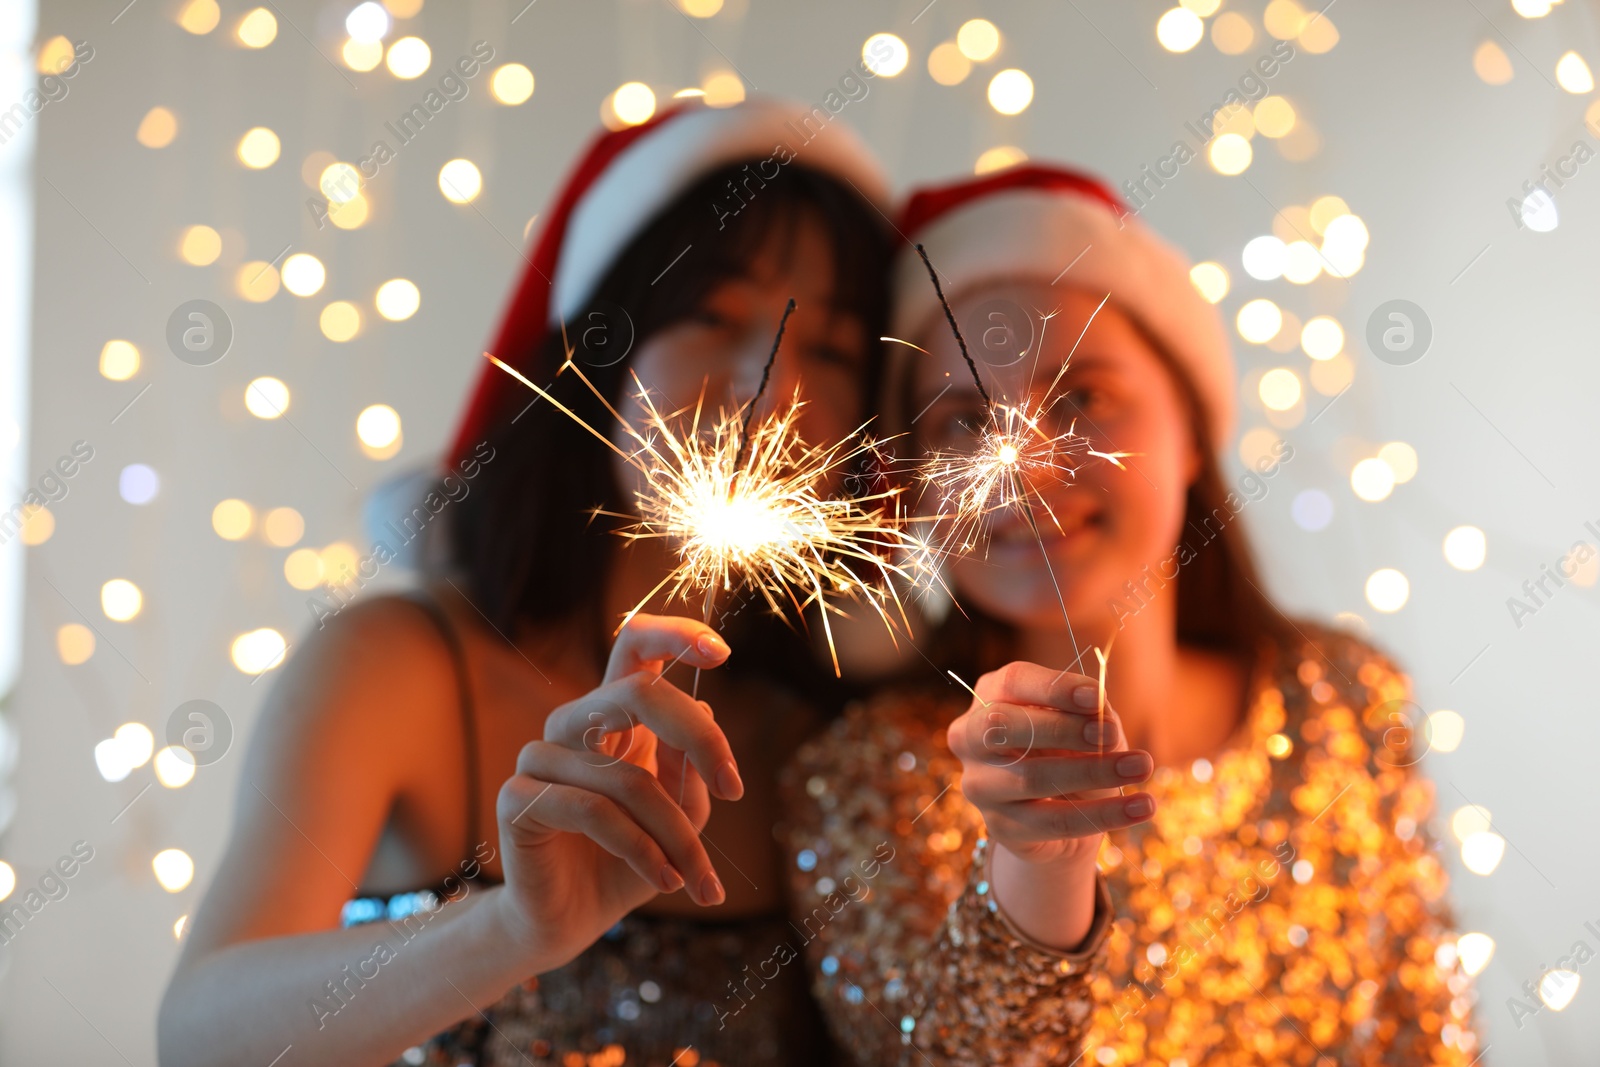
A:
(999, 158)
(1179, 29)
(55, 56)
(1232, 33)
(8, 879)
(257, 281)
(340, 182)
(199, 17)
(74, 643)
(1280, 389)
(1257, 445)
(1400, 458)
(1264, 257)
(511, 84)
(1010, 92)
(258, 147)
(124, 751)
(258, 651)
(1274, 116)
(1532, 9)
(174, 767)
(1444, 730)
(722, 88)
(157, 129)
(38, 524)
(1470, 819)
(1558, 986)
(1230, 154)
(1322, 337)
(1475, 951)
(700, 9)
(361, 56)
(1372, 479)
(1482, 852)
(121, 600)
(351, 214)
(257, 29)
(367, 22)
(633, 103)
(1312, 510)
(947, 65)
(1491, 64)
(138, 483)
(119, 360)
(1539, 212)
(978, 40)
(1204, 8)
(266, 398)
(885, 54)
(403, 9)
(1259, 321)
(1387, 590)
(200, 246)
(461, 182)
(303, 568)
(398, 299)
(1210, 279)
(303, 274)
(283, 527)
(1465, 548)
(340, 321)
(173, 868)
(408, 58)
(232, 519)
(1573, 75)
(378, 430)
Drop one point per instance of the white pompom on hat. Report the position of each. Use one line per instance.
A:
(1045, 222)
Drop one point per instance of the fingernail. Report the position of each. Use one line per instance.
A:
(712, 645)
(1086, 696)
(671, 880)
(1134, 765)
(1099, 733)
(728, 782)
(1140, 808)
(711, 889)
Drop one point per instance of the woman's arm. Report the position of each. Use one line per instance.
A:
(338, 736)
(913, 959)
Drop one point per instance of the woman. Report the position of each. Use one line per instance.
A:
(393, 762)
(1278, 896)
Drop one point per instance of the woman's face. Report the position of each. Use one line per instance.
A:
(717, 353)
(1108, 524)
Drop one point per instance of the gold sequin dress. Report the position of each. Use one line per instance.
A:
(1285, 905)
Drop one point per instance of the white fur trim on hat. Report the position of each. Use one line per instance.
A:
(648, 174)
(1070, 239)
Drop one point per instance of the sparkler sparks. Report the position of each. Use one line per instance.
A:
(1016, 455)
(745, 501)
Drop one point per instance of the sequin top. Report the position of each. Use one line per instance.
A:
(1285, 905)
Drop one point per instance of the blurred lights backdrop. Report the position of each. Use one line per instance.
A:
(1351, 157)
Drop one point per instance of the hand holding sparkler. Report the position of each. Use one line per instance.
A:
(589, 829)
(1044, 759)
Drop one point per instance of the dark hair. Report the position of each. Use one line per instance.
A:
(1220, 602)
(524, 539)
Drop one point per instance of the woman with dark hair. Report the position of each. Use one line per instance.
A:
(1238, 784)
(488, 742)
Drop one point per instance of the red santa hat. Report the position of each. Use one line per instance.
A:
(1041, 221)
(618, 186)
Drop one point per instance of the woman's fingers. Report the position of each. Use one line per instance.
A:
(635, 794)
(649, 641)
(1020, 682)
(536, 810)
(1035, 821)
(669, 713)
(1048, 777)
(1002, 732)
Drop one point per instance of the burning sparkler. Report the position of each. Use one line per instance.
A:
(1013, 458)
(745, 502)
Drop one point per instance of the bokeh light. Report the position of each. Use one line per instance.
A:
(1010, 92)
(258, 148)
(408, 58)
(304, 274)
(200, 246)
(723, 88)
(1312, 510)
(283, 527)
(74, 643)
(461, 182)
(1491, 64)
(1482, 852)
(1372, 479)
(1264, 257)
(258, 651)
(885, 54)
(999, 158)
(200, 17)
(257, 281)
(1230, 154)
(1387, 590)
(266, 398)
(978, 40)
(1322, 337)
(257, 29)
(1259, 321)
(1573, 75)
(1179, 29)
(138, 483)
(119, 360)
(174, 869)
(1465, 548)
(1402, 460)
(1280, 389)
(1210, 279)
(232, 519)
(632, 103)
(947, 65)
(158, 128)
(1445, 730)
(398, 299)
(512, 84)
(340, 321)
(121, 600)
(1232, 33)
(174, 767)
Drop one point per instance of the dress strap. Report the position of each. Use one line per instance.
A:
(469, 725)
